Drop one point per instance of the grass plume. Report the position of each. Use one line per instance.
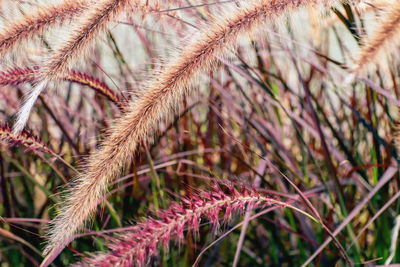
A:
(99, 86)
(17, 76)
(24, 138)
(82, 36)
(162, 96)
(27, 75)
(25, 110)
(380, 42)
(35, 22)
(86, 32)
(136, 245)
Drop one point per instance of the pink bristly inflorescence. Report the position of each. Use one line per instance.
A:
(17, 76)
(95, 84)
(24, 138)
(138, 244)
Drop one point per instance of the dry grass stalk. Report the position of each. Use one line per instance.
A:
(380, 42)
(34, 23)
(161, 98)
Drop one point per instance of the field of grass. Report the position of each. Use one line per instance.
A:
(199, 133)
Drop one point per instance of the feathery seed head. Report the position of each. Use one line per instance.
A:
(162, 96)
(89, 26)
(25, 110)
(35, 21)
(24, 138)
(138, 244)
(17, 76)
(83, 35)
(380, 42)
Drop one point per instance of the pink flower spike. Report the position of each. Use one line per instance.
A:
(141, 243)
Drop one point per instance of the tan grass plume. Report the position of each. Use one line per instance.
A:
(161, 97)
(84, 34)
(81, 38)
(382, 40)
(32, 23)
